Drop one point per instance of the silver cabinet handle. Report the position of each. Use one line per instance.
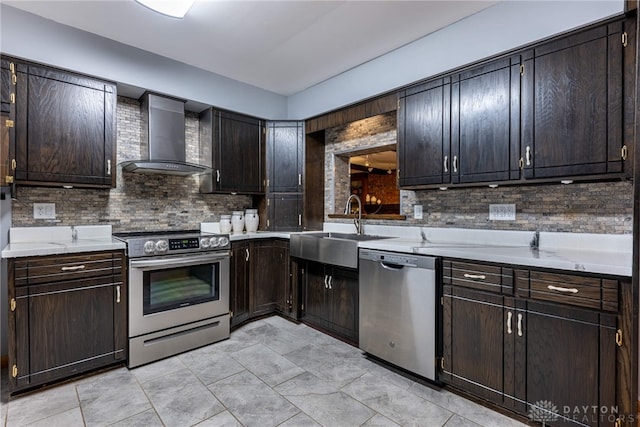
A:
(118, 294)
(446, 163)
(108, 167)
(299, 220)
(509, 316)
(73, 268)
(325, 281)
(217, 175)
(475, 276)
(519, 324)
(455, 163)
(330, 281)
(246, 254)
(299, 179)
(561, 289)
(528, 156)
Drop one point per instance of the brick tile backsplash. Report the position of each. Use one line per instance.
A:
(602, 207)
(139, 201)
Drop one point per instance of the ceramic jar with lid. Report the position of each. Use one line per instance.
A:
(251, 220)
(225, 223)
(237, 221)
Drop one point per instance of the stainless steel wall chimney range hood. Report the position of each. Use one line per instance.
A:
(163, 142)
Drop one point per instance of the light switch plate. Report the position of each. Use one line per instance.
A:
(417, 211)
(44, 211)
(502, 212)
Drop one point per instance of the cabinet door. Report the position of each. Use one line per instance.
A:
(474, 332)
(485, 119)
(315, 309)
(65, 129)
(343, 303)
(241, 153)
(424, 134)
(285, 147)
(239, 282)
(269, 275)
(284, 212)
(65, 326)
(572, 105)
(6, 90)
(570, 363)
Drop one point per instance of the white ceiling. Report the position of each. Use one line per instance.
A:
(281, 46)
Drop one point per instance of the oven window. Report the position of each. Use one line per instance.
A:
(179, 287)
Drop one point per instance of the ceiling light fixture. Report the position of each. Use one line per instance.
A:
(172, 8)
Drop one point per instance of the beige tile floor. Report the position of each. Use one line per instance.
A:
(271, 372)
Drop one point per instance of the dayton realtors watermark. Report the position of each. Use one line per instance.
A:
(546, 411)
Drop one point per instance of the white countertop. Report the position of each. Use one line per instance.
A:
(609, 254)
(592, 253)
(613, 263)
(37, 241)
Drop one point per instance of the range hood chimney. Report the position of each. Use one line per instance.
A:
(163, 142)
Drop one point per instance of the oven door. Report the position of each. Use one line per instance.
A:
(170, 291)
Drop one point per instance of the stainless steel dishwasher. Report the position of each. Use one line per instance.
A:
(398, 319)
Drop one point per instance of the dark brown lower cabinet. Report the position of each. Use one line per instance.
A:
(260, 280)
(239, 282)
(70, 320)
(477, 342)
(570, 364)
(330, 299)
(269, 276)
(544, 355)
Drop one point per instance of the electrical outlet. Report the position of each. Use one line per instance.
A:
(417, 211)
(502, 212)
(44, 211)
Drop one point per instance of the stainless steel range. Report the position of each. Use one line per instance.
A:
(178, 292)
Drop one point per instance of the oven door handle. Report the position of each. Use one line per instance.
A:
(150, 264)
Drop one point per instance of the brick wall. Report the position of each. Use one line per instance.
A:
(139, 201)
(605, 207)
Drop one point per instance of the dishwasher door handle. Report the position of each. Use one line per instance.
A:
(393, 267)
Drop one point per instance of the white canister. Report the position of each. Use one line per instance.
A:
(237, 221)
(251, 220)
(225, 223)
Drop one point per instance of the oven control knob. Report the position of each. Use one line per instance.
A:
(205, 242)
(149, 247)
(162, 246)
(215, 242)
(223, 241)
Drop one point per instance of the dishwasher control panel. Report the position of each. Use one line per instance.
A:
(397, 258)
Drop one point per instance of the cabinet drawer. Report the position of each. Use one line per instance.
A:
(55, 268)
(590, 292)
(478, 276)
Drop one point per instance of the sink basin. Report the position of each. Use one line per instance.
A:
(339, 249)
(347, 236)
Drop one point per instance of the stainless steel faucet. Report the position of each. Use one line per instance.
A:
(347, 210)
(535, 242)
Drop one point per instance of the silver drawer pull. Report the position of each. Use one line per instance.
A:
(118, 294)
(73, 268)
(561, 289)
(519, 324)
(475, 276)
(509, 316)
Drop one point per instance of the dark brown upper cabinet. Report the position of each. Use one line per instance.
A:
(485, 122)
(285, 156)
(8, 79)
(424, 134)
(235, 143)
(560, 109)
(7, 95)
(573, 109)
(285, 168)
(65, 128)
